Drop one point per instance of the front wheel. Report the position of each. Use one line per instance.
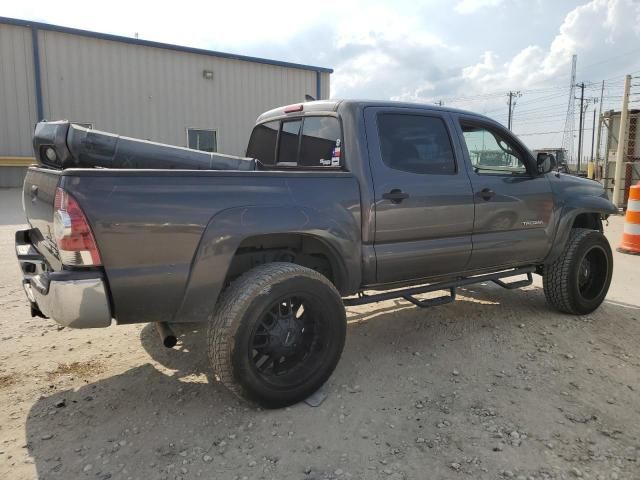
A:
(277, 334)
(578, 281)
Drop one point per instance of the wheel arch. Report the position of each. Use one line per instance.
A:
(333, 235)
(293, 247)
(581, 212)
(588, 220)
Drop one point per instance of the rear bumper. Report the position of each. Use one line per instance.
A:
(76, 299)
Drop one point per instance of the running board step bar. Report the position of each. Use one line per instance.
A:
(408, 293)
(432, 302)
(514, 285)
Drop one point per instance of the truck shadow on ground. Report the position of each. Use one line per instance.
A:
(144, 419)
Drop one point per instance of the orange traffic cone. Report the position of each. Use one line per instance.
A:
(631, 236)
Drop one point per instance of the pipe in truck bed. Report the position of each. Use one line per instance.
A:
(62, 144)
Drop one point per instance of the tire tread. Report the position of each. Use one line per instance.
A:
(557, 274)
(233, 302)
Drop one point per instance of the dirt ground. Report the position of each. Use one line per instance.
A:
(493, 386)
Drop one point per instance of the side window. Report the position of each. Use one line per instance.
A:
(288, 148)
(490, 153)
(262, 144)
(320, 142)
(204, 140)
(416, 144)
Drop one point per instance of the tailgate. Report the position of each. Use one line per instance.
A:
(38, 195)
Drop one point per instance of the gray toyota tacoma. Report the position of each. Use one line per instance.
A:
(334, 199)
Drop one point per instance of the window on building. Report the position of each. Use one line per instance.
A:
(262, 144)
(204, 140)
(320, 137)
(416, 144)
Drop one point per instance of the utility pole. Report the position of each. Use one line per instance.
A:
(618, 183)
(600, 126)
(512, 103)
(568, 142)
(581, 85)
(593, 133)
(587, 101)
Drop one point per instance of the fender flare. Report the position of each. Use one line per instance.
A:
(212, 259)
(569, 212)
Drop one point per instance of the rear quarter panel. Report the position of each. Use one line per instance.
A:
(167, 237)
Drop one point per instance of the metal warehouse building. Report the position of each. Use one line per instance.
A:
(160, 92)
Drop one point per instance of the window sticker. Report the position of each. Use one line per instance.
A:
(335, 155)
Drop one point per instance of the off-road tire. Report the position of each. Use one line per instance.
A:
(240, 308)
(561, 278)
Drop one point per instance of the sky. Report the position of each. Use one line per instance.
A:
(466, 53)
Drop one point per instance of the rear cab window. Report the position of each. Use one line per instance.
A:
(262, 144)
(289, 142)
(305, 142)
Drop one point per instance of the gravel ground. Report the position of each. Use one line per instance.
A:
(493, 386)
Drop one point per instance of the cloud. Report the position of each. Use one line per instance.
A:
(466, 7)
(596, 31)
(378, 62)
(410, 50)
(375, 52)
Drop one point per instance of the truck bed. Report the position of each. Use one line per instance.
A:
(167, 237)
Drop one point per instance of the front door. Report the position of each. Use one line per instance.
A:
(513, 202)
(423, 198)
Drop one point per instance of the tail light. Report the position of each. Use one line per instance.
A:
(293, 108)
(72, 232)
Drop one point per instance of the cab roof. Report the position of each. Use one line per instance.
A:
(332, 106)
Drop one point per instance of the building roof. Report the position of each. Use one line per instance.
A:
(148, 43)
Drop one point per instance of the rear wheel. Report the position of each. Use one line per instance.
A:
(277, 334)
(578, 281)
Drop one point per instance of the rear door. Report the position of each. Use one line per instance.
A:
(513, 203)
(423, 198)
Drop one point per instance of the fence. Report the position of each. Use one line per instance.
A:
(606, 158)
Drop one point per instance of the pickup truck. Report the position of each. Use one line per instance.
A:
(337, 203)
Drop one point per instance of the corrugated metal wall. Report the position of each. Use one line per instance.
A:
(157, 94)
(17, 97)
(325, 86)
(137, 90)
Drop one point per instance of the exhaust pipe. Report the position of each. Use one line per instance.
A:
(167, 336)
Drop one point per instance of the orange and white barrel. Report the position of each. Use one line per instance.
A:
(631, 236)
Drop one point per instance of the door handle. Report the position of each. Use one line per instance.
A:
(396, 195)
(487, 193)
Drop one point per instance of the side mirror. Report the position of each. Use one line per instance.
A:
(545, 163)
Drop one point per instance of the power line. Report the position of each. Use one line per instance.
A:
(543, 109)
(543, 133)
(499, 93)
(631, 52)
